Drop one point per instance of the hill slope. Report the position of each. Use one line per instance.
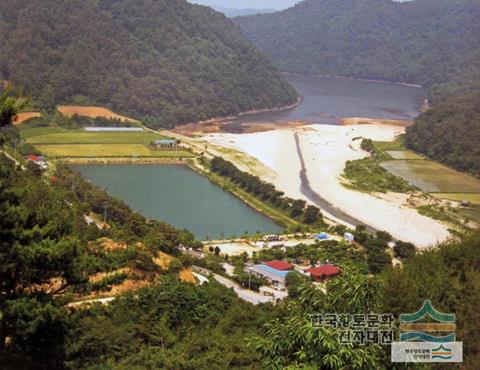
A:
(421, 41)
(165, 60)
(450, 132)
(232, 12)
(435, 43)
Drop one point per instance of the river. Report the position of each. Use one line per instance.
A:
(327, 100)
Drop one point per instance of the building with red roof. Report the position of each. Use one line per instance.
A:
(322, 273)
(274, 271)
(280, 265)
(33, 157)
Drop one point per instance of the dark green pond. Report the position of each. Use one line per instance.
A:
(180, 197)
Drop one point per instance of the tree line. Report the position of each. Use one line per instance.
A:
(296, 208)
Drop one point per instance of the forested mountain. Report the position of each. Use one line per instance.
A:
(248, 4)
(421, 41)
(166, 61)
(435, 43)
(232, 12)
(450, 133)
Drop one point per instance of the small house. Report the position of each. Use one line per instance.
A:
(165, 144)
(274, 271)
(38, 160)
(322, 273)
(280, 265)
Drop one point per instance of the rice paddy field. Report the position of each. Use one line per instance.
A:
(27, 133)
(83, 137)
(433, 177)
(57, 142)
(472, 214)
(107, 150)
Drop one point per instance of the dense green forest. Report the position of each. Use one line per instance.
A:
(421, 41)
(165, 62)
(434, 43)
(450, 132)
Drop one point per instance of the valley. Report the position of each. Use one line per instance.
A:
(287, 185)
(303, 151)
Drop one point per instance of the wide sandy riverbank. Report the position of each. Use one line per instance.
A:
(324, 151)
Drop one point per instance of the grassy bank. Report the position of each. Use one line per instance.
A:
(368, 175)
(122, 160)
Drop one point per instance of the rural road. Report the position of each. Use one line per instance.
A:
(245, 294)
(91, 302)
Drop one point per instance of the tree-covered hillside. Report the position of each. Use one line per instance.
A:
(166, 62)
(435, 43)
(421, 41)
(450, 133)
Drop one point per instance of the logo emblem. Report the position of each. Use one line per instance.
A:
(427, 335)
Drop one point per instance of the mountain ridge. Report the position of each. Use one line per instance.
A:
(165, 62)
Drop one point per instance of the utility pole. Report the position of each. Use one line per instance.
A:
(249, 276)
(105, 213)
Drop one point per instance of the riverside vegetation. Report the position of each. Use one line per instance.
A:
(295, 208)
(367, 174)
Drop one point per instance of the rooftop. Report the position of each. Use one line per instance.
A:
(164, 141)
(324, 270)
(272, 270)
(279, 265)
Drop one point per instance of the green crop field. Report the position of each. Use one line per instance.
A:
(28, 133)
(433, 177)
(403, 154)
(398, 144)
(107, 150)
(82, 137)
